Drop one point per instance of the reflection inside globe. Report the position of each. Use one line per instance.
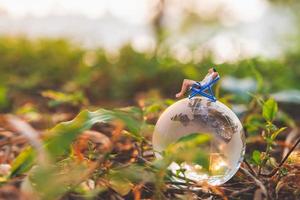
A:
(198, 115)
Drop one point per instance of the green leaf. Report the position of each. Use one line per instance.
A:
(157, 105)
(52, 181)
(153, 108)
(58, 98)
(62, 135)
(270, 109)
(59, 138)
(135, 173)
(119, 183)
(132, 119)
(275, 134)
(23, 162)
(256, 157)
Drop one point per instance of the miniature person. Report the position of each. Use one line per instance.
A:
(186, 84)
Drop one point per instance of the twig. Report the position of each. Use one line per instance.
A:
(288, 154)
(250, 168)
(198, 192)
(117, 196)
(274, 171)
(236, 193)
(143, 160)
(175, 190)
(149, 156)
(142, 148)
(257, 182)
(236, 184)
(176, 183)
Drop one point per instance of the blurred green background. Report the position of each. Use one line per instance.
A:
(75, 57)
(59, 57)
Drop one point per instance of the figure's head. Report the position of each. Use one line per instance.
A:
(212, 70)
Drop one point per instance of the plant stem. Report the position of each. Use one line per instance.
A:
(274, 171)
(257, 182)
(251, 169)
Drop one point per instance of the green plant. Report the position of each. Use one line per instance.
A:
(269, 133)
(59, 159)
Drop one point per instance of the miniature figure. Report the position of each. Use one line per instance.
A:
(199, 87)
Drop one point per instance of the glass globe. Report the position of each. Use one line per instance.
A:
(199, 115)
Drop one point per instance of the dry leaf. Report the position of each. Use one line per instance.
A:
(91, 141)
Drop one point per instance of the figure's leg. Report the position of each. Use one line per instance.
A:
(185, 86)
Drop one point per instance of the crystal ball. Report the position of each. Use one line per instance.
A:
(200, 115)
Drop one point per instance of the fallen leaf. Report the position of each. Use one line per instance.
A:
(91, 141)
